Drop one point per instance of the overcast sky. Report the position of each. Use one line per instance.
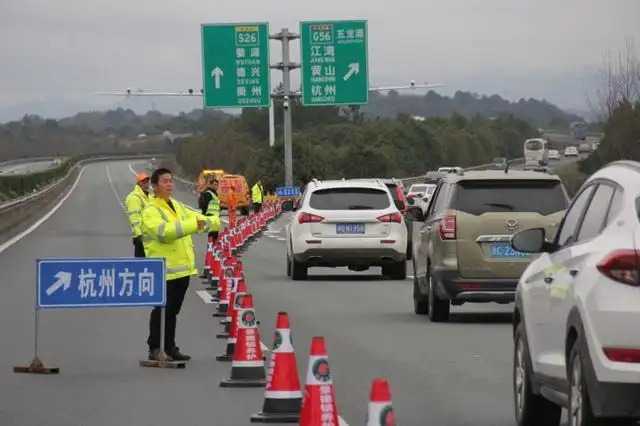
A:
(55, 53)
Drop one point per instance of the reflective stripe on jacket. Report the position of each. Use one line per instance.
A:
(135, 203)
(167, 234)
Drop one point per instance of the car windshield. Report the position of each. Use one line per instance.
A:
(534, 145)
(538, 196)
(349, 199)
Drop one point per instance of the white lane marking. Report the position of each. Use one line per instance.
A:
(264, 347)
(342, 422)
(113, 188)
(40, 221)
(205, 296)
(223, 220)
(281, 238)
(132, 171)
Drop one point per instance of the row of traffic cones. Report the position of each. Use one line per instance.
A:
(284, 400)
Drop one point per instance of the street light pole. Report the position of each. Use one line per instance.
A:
(286, 66)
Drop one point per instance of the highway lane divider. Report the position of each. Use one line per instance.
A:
(21, 216)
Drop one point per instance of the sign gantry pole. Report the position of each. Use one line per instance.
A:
(284, 36)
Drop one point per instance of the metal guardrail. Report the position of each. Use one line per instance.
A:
(77, 166)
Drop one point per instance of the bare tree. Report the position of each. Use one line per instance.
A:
(619, 80)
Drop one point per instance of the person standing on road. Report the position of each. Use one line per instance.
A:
(256, 196)
(209, 203)
(135, 203)
(167, 227)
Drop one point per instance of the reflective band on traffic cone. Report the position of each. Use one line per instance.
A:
(319, 404)
(282, 395)
(247, 366)
(233, 331)
(380, 409)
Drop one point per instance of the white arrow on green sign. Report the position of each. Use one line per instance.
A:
(235, 65)
(334, 63)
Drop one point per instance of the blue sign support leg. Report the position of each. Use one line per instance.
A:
(36, 366)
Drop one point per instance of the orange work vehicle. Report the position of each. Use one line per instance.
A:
(232, 189)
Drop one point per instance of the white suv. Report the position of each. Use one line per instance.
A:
(577, 314)
(352, 223)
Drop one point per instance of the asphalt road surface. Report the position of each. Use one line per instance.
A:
(28, 167)
(452, 374)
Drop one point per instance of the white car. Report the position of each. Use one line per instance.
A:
(352, 223)
(420, 194)
(577, 312)
(554, 154)
(571, 151)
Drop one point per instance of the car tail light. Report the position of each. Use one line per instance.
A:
(448, 227)
(391, 217)
(309, 218)
(623, 354)
(622, 266)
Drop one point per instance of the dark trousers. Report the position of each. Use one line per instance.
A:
(176, 290)
(257, 207)
(138, 247)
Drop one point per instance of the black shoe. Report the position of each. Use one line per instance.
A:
(176, 355)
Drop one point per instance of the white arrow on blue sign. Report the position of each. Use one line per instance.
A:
(100, 282)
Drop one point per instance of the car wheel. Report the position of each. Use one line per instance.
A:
(288, 266)
(580, 413)
(530, 409)
(438, 309)
(298, 270)
(420, 303)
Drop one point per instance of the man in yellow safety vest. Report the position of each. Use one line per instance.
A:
(256, 196)
(167, 226)
(135, 203)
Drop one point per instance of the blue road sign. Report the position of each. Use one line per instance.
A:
(288, 191)
(98, 282)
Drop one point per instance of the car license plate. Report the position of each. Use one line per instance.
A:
(505, 250)
(350, 228)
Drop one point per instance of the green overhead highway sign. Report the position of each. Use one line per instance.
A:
(334, 63)
(235, 65)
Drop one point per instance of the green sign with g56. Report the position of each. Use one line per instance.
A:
(334, 63)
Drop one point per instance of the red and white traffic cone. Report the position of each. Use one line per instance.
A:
(247, 365)
(380, 408)
(223, 291)
(233, 331)
(282, 395)
(319, 404)
(232, 284)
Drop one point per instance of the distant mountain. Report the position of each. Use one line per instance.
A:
(538, 113)
(125, 122)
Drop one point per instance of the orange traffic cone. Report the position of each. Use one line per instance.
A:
(233, 331)
(282, 395)
(319, 404)
(247, 365)
(380, 409)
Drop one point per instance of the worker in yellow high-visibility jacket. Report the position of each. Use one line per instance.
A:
(167, 226)
(135, 203)
(257, 192)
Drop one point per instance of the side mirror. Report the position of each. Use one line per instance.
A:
(416, 213)
(530, 241)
